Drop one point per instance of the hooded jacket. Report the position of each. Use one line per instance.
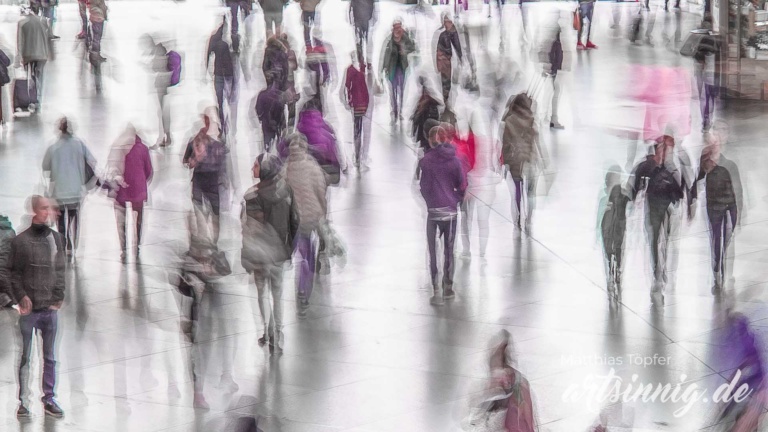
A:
(442, 180)
(37, 263)
(137, 172)
(356, 89)
(309, 184)
(397, 53)
(270, 221)
(270, 109)
(7, 234)
(276, 61)
(320, 137)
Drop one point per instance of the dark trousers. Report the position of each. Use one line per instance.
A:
(721, 223)
(358, 131)
(97, 29)
(707, 100)
(308, 21)
(660, 227)
(447, 230)
(46, 323)
(122, 229)
(68, 224)
(306, 246)
(35, 76)
(226, 88)
(235, 8)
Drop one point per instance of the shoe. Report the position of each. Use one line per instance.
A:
(590, 45)
(55, 37)
(263, 340)
(649, 42)
(556, 125)
(449, 293)
(199, 402)
(53, 409)
(580, 46)
(22, 412)
(80, 35)
(437, 299)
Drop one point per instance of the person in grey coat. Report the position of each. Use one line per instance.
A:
(33, 46)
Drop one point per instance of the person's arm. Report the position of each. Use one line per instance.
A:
(456, 44)
(189, 152)
(59, 266)
(47, 160)
(208, 53)
(16, 269)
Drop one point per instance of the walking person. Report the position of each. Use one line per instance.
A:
(355, 95)
(724, 199)
(705, 70)
(447, 41)
(273, 16)
(309, 184)
(224, 81)
(33, 49)
(612, 228)
(362, 16)
(235, 7)
(37, 265)
(586, 10)
(395, 65)
(270, 222)
(556, 62)
(69, 164)
(270, 109)
(97, 14)
(442, 186)
(206, 156)
(663, 182)
(522, 156)
(308, 15)
(131, 172)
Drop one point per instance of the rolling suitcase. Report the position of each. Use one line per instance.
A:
(24, 94)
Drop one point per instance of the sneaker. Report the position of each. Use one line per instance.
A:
(580, 46)
(590, 45)
(53, 409)
(556, 125)
(437, 299)
(22, 412)
(55, 37)
(449, 293)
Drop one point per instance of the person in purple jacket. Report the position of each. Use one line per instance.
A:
(442, 185)
(131, 172)
(270, 109)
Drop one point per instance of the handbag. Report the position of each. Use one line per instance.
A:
(691, 44)
(576, 20)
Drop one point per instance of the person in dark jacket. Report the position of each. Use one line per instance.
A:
(206, 156)
(275, 65)
(442, 185)
(7, 234)
(37, 264)
(398, 46)
(270, 109)
(270, 222)
(273, 15)
(663, 183)
(223, 77)
(613, 226)
(447, 41)
(724, 199)
(355, 95)
(361, 15)
(555, 64)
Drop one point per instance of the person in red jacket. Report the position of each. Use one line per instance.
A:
(355, 96)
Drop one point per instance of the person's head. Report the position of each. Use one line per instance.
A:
(397, 28)
(447, 21)
(297, 142)
(35, 9)
(437, 135)
(64, 126)
(41, 209)
(450, 131)
(267, 167)
(612, 177)
(665, 145)
(706, 22)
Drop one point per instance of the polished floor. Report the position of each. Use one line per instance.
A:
(373, 354)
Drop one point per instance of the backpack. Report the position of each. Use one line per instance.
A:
(5, 62)
(174, 67)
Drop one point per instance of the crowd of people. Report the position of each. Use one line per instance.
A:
(464, 153)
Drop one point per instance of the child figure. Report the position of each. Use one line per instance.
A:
(613, 225)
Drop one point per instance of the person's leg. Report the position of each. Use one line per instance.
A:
(449, 237)
(73, 223)
(138, 208)
(399, 88)
(555, 99)
(61, 224)
(218, 84)
(26, 328)
(306, 21)
(483, 213)
(467, 207)
(305, 269)
(98, 30)
(263, 297)
(358, 133)
(48, 325)
(716, 227)
(518, 200)
(655, 220)
(232, 98)
(590, 9)
(276, 286)
(120, 215)
(431, 247)
(165, 115)
(234, 25)
(582, 18)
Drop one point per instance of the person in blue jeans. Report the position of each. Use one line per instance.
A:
(586, 9)
(37, 263)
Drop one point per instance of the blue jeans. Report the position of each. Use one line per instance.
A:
(46, 323)
(446, 229)
(306, 245)
(585, 12)
(398, 83)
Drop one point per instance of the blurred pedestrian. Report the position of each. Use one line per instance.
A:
(395, 65)
(308, 15)
(442, 186)
(273, 16)
(356, 96)
(612, 227)
(362, 15)
(447, 41)
(270, 222)
(224, 81)
(235, 7)
(33, 50)
(97, 14)
(586, 10)
(309, 184)
(69, 164)
(270, 109)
